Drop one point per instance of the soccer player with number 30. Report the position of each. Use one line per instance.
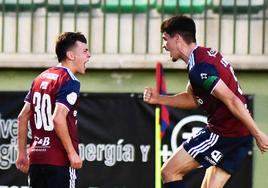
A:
(51, 108)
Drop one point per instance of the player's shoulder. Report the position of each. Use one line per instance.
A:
(58, 73)
(203, 62)
(206, 55)
(66, 73)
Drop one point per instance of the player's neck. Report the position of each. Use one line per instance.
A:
(68, 65)
(187, 51)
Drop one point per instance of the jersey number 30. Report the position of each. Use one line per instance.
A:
(42, 115)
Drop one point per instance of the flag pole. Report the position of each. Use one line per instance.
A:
(158, 163)
(157, 149)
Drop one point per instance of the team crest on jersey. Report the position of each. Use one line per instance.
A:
(71, 98)
(212, 53)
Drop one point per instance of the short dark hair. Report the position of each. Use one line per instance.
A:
(65, 41)
(182, 25)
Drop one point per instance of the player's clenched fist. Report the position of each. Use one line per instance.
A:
(22, 163)
(150, 95)
(75, 161)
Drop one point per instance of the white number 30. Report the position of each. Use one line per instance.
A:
(42, 115)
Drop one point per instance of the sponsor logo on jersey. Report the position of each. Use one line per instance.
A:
(50, 76)
(40, 144)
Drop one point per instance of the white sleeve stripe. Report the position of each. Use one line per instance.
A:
(214, 86)
(63, 105)
(27, 102)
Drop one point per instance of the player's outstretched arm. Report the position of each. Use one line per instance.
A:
(22, 162)
(184, 100)
(61, 129)
(238, 109)
(151, 96)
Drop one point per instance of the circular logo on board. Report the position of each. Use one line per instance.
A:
(186, 128)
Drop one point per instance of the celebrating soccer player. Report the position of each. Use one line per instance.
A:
(51, 108)
(225, 141)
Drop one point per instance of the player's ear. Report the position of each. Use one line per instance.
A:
(178, 36)
(70, 54)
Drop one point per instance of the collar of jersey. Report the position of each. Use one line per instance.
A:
(68, 70)
(191, 62)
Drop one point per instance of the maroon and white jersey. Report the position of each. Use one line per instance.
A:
(55, 85)
(205, 68)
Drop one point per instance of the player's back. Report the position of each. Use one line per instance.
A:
(46, 148)
(208, 67)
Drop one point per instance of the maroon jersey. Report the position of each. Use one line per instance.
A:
(55, 85)
(205, 68)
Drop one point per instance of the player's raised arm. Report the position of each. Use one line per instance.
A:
(183, 100)
(151, 96)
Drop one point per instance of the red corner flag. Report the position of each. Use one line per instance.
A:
(162, 90)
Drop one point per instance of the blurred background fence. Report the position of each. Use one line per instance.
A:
(132, 27)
